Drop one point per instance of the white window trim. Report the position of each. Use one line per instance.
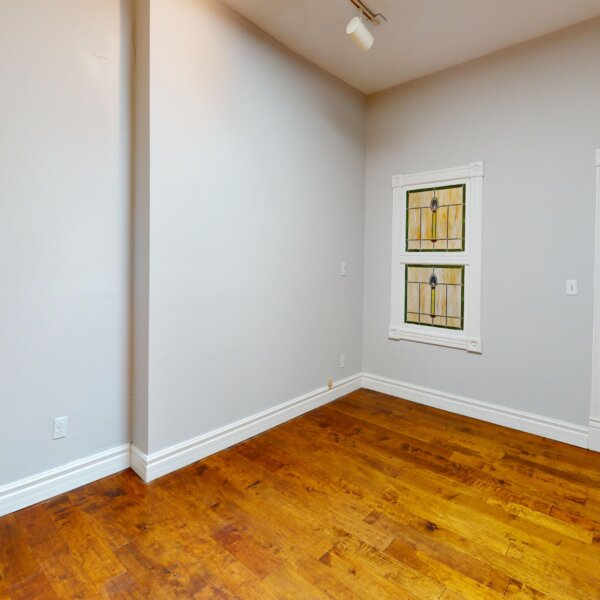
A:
(469, 338)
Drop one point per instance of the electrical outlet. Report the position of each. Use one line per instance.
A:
(343, 361)
(571, 287)
(330, 384)
(60, 427)
(344, 269)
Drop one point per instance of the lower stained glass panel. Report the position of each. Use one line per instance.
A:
(435, 296)
(435, 219)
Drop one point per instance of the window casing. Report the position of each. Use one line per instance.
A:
(436, 262)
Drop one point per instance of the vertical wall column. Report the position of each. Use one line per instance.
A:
(241, 224)
(141, 228)
(594, 441)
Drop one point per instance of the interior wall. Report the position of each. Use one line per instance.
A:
(256, 196)
(531, 113)
(64, 230)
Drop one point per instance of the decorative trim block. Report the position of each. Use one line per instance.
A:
(594, 442)
(476, 169)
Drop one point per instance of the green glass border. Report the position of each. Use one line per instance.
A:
(462, 295)
(433, 189)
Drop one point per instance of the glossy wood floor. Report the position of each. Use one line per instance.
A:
(369, 497)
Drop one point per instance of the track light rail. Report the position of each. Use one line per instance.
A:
(368, 13)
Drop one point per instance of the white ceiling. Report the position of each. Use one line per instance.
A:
(421, 36)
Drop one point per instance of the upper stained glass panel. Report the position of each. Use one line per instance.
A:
(435, 219)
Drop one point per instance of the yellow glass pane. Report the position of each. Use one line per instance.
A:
(455, 222)
(440, 300)
(425, 301)
(449, 275)
(442, 223)
(454, 302)
(412, 297)
(453, 195)
(426, 224)
(419, 199)
(414, 225)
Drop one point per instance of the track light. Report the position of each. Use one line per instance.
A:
(359, 34)
(358, 31)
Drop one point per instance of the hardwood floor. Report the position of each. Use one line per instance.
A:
(368, 497)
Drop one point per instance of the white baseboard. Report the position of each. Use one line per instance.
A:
(500, 415)
(157, 464)
(32, 490)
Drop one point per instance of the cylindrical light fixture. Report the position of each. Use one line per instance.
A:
(359, 34)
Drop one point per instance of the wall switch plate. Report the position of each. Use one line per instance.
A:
(571, 287)
(60, 427)
(343, 361)
(344, 269)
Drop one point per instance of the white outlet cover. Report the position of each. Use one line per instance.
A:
(60, 428)
(571, 287)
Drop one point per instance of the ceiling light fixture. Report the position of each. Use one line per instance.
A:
(358, 31)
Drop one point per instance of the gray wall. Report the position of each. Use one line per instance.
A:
(64, 230)
(532, 114)
(256, 195)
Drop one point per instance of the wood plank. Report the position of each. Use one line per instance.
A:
(127, 587)
(370, 573)
(17, 560)
(89, 545)
(36, 587)
(65, 573)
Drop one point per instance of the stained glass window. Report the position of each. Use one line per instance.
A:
(436, 257)
(435, 295)
(435, 219)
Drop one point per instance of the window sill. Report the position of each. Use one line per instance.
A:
(448, 340)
